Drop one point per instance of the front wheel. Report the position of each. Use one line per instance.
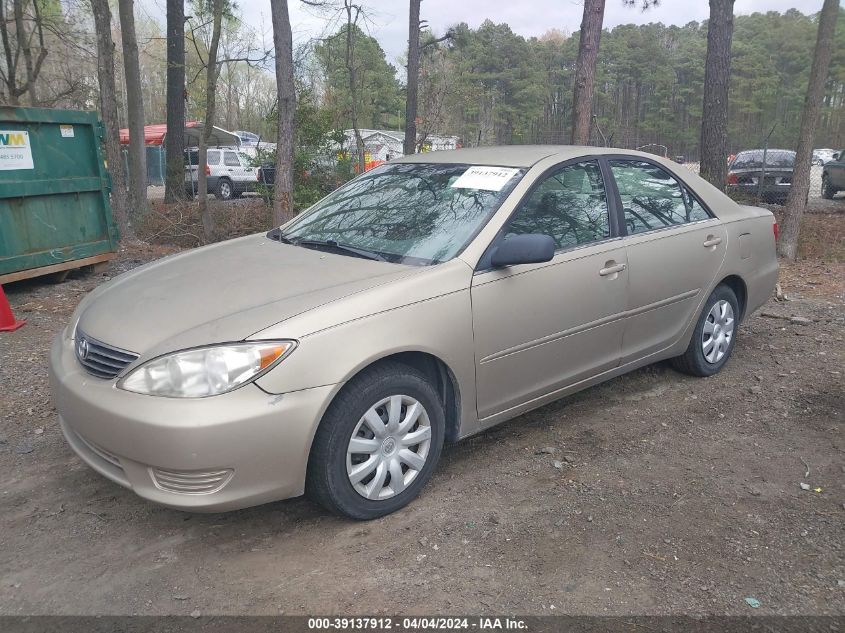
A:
(378, 443)
(224, 190)
(714, 336)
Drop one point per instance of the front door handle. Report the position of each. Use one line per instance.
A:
(712, 241)
(611, 268)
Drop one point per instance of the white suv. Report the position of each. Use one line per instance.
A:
(229, 173)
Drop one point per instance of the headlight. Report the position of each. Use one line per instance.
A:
(205, 371)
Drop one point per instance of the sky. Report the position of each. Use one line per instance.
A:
(388, 19)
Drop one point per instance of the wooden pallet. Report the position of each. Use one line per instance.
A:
(98, 261)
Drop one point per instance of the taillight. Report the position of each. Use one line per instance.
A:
(258, 174)
(732, 179)
(207, 170)
(775, 230)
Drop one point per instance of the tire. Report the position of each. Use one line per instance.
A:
(331, 467)
(695, 361)
(224, 190)
(828, 191)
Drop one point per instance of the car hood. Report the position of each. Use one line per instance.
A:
(223, 292)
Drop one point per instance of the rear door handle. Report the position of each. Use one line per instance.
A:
(712, 241)
(611, 270)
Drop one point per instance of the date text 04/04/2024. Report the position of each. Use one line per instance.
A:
(417, 623)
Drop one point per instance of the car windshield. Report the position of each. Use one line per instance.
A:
(413, 213)
(774, 158)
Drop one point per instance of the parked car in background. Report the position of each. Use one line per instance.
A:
(833, 175)
(252, 145)
(247, 138)
(229, 172)
(422, 302)
(267, 174)
(822, 156)
(746, 171)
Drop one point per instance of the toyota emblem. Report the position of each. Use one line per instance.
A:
(82, 348)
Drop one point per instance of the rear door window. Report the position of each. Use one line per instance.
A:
(652, 198)
(231, 159)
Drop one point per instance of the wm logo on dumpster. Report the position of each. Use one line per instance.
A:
(13, 139)
(15, 151)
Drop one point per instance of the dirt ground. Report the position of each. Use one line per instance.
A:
(654, 493)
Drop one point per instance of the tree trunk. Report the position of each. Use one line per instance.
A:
(353, 79)
(25, 46)
(135, 111)
(210, 102)
(796, 203)
(413, 77)
(283, 44)
(10, 58)
(585, 70)
(108, 108)
(717, 74)
(174, 185)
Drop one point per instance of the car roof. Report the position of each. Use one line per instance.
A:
(768, 151)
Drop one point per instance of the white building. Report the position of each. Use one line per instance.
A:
(384, 145)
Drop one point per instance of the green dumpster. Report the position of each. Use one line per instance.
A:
(54, 193)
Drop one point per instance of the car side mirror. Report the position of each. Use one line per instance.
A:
(835, 155)
(532, 248)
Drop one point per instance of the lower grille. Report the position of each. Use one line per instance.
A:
(100, 359)
(98, 458)
(101, 452)
(191, 482)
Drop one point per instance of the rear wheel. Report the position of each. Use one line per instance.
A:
(828, 190)
(224, 190)
(378, 443)
(714, 336)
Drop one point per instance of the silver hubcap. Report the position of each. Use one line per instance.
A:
(718, 331)
(224, 190)
(388, 447)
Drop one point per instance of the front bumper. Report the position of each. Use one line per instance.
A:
(238, 449)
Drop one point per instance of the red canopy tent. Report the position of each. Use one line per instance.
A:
(155, 134)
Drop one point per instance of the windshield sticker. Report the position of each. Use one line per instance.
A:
(487, 178)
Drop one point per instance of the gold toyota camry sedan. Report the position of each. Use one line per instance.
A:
(422, 302)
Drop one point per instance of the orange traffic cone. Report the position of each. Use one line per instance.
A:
(7, 319)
